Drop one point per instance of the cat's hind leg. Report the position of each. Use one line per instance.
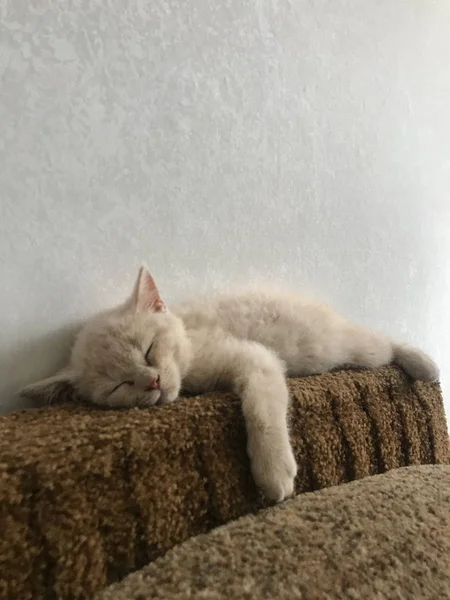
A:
(416, 363)
(372, 349)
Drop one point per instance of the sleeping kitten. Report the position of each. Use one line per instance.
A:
(141, 354)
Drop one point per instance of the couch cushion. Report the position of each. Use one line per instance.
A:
(89, 495)
(385, 537)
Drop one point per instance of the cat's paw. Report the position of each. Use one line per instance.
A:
(273, 465)
(423, 368)
(426, 370)
(416, 363)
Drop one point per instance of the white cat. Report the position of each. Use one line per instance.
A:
(141, 354)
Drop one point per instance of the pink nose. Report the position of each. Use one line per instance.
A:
(153, 385)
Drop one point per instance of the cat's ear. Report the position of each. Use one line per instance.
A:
(145, 295)
(58, 388)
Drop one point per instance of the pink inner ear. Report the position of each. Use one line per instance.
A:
(159, 306)
(148, 297)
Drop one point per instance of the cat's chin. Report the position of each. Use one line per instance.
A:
(150, 400)
(168, 396)
(159, 398)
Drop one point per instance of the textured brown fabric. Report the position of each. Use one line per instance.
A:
(386, 538)
(88, 495)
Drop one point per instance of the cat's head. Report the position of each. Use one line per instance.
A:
(133, 355)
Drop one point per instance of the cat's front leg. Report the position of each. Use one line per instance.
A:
(272, 461)
(257, 375)
(265, 402)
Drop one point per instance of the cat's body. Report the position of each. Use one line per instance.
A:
(141, 354)
(307, 336)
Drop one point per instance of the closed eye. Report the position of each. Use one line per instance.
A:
(130, 383)
(147, 354)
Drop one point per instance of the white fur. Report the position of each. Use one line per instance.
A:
(246, 341)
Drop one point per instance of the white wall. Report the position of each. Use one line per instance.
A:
(300, 141)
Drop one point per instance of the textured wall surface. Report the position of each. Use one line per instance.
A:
(294, 141)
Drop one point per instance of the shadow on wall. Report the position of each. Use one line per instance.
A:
(30, 362)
